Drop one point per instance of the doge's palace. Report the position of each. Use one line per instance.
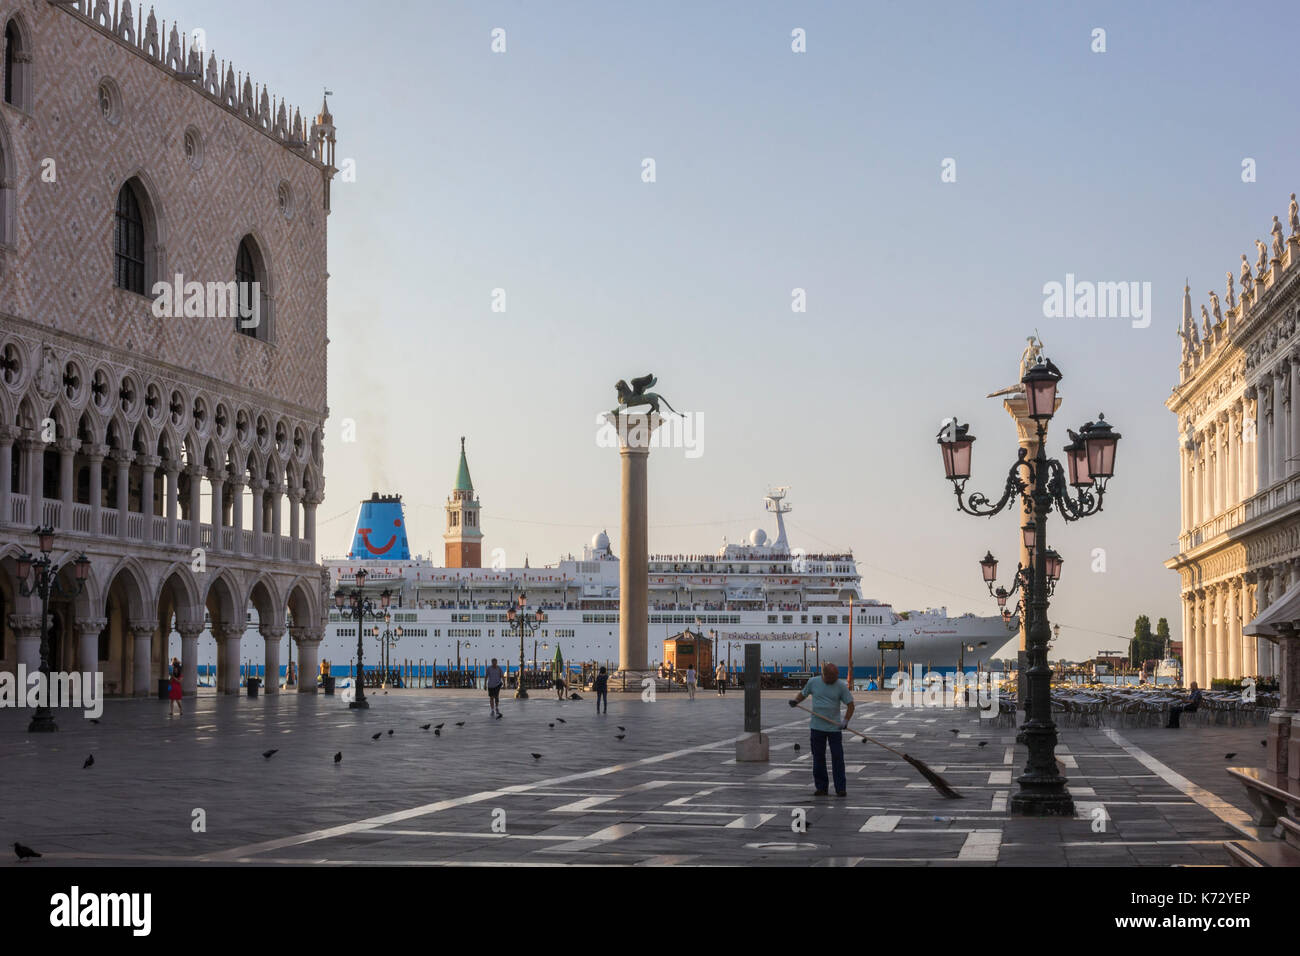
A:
(162, 348)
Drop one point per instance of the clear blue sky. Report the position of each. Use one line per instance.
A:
(775, 170)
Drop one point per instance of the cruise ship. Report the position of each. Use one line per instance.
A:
(801, 607)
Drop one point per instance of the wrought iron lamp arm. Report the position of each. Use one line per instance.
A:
(977, 504)
(1081, 506)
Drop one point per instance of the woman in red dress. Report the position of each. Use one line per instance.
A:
(174, 694)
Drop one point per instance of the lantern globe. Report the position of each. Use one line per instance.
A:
(955, 444)
(24, 566)
(361, 577)
(1040, 389)
(989, 566)
(46, 538)
(1076, 455)
(1030, 532)
(338, 598)
(1101, 440)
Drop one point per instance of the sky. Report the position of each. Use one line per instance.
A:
(775, 170)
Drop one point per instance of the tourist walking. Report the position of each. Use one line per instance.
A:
(690, 681)
(494, 680)
(720, 676)
(825, 726)
(559, 686)
(601, 686)
(175, 695)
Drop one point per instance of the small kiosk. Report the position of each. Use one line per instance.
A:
(689, 649)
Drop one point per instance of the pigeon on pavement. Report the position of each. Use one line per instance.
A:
(90, 762)
(25, 852)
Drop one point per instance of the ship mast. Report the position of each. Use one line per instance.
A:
(775, 503)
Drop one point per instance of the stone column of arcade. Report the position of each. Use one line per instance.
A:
(308, 642)
(634, 431)
(142, 637)
(189, 632)
(88, 630)
(271, 635)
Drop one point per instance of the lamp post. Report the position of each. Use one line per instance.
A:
(387, 639)
(46, 579)
(519, 620)
(1042, 483)
(358, 608)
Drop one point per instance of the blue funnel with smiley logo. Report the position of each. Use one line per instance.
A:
(381, 530)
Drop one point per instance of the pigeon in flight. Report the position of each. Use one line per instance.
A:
(390, 731)
(425, 726)
(1229, 756)
(90, 762)
(561, 720)
(619, 736)
(376, 736)
(537, 756)
(955, 730)
(460, 723)
(984, 743)
(25, 852)
(498, 715)
(624, 729)
(268, 754)
(440, 726)
(338, 757)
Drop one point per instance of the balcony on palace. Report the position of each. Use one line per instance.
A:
(158, 531)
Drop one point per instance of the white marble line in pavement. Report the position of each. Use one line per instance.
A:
(1225, 811)
(439, 805)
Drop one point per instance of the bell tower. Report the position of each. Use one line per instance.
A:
(463, 535)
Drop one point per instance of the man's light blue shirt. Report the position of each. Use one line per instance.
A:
(826, 699)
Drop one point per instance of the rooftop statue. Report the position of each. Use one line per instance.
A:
(1232, 298)
(1028, 359)
(637, 395)
(1205, 323)
(1278, 242)
(1245, 274)
(1214, 304)
(1263, 256)
(1293, 213)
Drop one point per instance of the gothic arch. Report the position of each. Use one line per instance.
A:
(133, 578)
(155, 223)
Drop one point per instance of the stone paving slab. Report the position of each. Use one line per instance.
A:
(669, 793)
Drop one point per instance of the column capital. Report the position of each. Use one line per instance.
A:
(8, 434)
(271, 632)
(1249, 577)
(314, 498)
(143, 628)
(196, 471)
(295, 493)
(25, 623)
(223, 631)
(89, 625)
(257, 485)
(67, 446)
(171, 466)
(188, 629)
(217, 476)
(123, 456)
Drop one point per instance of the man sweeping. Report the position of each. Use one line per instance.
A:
(825, 726)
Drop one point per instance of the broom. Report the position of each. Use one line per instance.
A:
(934, 779)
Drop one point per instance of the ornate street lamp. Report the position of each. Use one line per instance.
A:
(388, 638)
(46, 580)
(519, 621)
(1042, 483)
(358, 608)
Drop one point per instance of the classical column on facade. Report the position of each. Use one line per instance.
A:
(122, 458)
(1293, 433)
(33, 452)
(271, 635)
(142, 632)
(189, 632)
(1249, 586)
(172, 475)
(1189, 612)
(227, 637)
(1184, 487)
(308, 641)
(1281, 405)
(1206, 643)
(1233, 628)
(218, 482)
(88, 630)
(309, 521)
(94, 458)
(148, 465)
(1218, 652)
(7, 435)
(1221, 476)
(237, 514)
(295, 529)
(1250, 441)
(1264, 433)
(256, 487)
(277, 496)
(196, 475)
(27, 639)
(67, 487)
(1232, 428)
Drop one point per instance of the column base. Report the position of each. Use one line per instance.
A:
(359, 705)
(752, 749)
(42, 722)
(1280, 740)
(632, 680)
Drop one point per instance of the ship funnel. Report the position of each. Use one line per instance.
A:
(381, 530)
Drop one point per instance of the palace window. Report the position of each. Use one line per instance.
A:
(253, 317)
(17, 69)
(129, 242)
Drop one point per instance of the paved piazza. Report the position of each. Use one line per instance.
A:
(670, 792)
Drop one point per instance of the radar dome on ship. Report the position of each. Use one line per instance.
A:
(600, 541)
(758, 537)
